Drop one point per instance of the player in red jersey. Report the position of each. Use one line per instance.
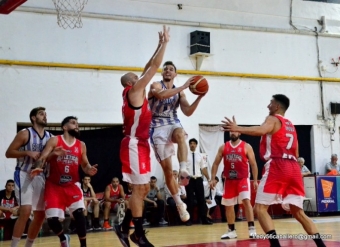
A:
(236, 155)
(62, 190)
(281, 181)
(113, 196)
(135, 149)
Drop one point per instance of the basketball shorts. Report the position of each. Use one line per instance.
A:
(30, 191)
(135, 159)
(114, 205)
(281, 183)
(161, 140)
(235, 190)
(58, 198)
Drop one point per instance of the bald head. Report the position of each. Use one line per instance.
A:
(128, 79)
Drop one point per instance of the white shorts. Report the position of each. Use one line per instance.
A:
(30, 191)
(161, 140)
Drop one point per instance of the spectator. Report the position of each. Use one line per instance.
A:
(113, 196)
(168, 197)
(197, 168)
(304, 170)
(333, 168)
(155, 201)
(91, 204)
(8, 203)
(216, 195)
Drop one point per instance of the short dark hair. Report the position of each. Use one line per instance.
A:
(283, 100)
(153, 178)
(9, 181)
(67, 119)
(35, 111)
(217, 179)
(170, 63)
(193, 140)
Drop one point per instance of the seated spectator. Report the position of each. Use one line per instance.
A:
(8, 203)
(113, 196)
(8, 209)
(304, 170)
(155, 201)
(214, 194)
(333, 168)
(91, 204)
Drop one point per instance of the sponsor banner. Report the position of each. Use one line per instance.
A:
(327, 194)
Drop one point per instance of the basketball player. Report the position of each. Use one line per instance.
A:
(166, 129)
(26, 147)
(135, 149)
(282, 181)
(62, 183)
(113, 196)
(237, 156)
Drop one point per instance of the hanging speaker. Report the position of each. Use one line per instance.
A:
(335, 108)
(199, 42)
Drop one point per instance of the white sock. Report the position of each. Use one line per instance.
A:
(177, 199)
(29, 242)
(15, 242)
(183, 165)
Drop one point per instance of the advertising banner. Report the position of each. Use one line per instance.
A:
(326, 187)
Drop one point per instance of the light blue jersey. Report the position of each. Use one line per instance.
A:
(164, 112)
(34, 143)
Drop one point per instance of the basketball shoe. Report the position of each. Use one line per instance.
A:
(66, 243)
(142, 241)
(123, 237)
(106, 225)
(183, 213)
(229, 234)
(252, 232)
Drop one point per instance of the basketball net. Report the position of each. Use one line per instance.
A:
(69, 12)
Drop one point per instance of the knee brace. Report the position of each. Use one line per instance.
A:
(80, 222)
(55, 225)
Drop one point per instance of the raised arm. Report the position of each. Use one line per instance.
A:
(187, 109)
(147, 66)
(85, 164)
(269, 126)
(216, 163)
(136, 93)
(253, 165)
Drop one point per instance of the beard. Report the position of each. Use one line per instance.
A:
(74, 133)
(41, 123)
(234, 138)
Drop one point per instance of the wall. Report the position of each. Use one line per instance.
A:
(245, 38)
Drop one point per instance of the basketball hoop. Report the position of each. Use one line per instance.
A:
(69, 12)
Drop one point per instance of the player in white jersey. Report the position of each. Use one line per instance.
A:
(166, 129)
(26, 147)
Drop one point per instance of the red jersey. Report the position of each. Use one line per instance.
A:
(114, 194)
(137, 120)
(282, 144)
(236, 165)
(64, 169)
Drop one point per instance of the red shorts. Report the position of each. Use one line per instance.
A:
(236, 190)
(58, 198)
(135, 158)
(281, 183)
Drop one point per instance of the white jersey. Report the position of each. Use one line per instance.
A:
(164, 112)
(34, 143)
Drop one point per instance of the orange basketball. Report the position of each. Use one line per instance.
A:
(199, 85)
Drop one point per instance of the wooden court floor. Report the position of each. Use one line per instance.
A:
(202, 235)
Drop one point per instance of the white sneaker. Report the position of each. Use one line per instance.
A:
(146, 223)
(66, 243)
(229, 234)
(163, 222)
(183, 213)
(252, 231)
(184, 176)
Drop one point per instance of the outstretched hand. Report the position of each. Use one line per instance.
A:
(92, 170)
(165, 34)
(229, 125)
(36, 171)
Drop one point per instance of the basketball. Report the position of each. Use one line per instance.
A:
(199, 85)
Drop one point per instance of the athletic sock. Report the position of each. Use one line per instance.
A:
(231, 227)
(82, 242)
(29, 242)
(177, 198)
(274, 242)
(15, 242)
(251, 223)
(138, 222)
(318, 241)
(183, 165)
